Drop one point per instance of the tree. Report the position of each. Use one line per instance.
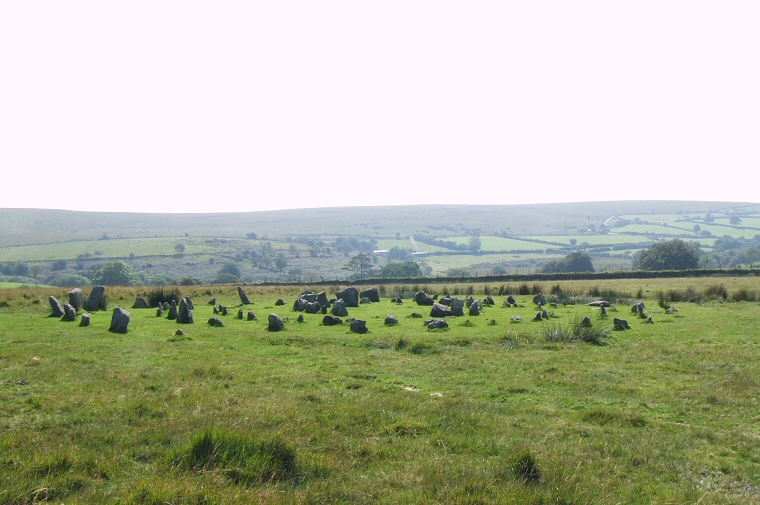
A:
(735, 220)
(399, 253)
(401, 269)
(280, 261)
(668, 255)
(179, 247)
(231, 269)
(499, 269)
(226, 278)
(115, 273)
(574, 262)
(750, 256)
(21, 269)
(360, 264)
(473, 245)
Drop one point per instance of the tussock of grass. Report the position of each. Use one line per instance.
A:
(240, 459)
(525, 468)
(596, 333)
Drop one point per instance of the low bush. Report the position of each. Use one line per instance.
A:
(160, 296)
(744, 295)
(716, 291)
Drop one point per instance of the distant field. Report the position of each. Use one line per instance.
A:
(11, 285)
(613, 238)
(122, 248)
(388, 244)
(491, 243)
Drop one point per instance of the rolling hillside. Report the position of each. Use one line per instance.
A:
(312, 244)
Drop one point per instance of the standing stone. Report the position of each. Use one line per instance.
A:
(159, 311)
(56, 306)
(475, 309)
(240, 314)
(190, 303)
(350, 296)
(216, 322)
(331, 320)
(359, 326)
(300, 318)
(620, 324)
(119, 320)
(438, 324)
(339, 309)
(140, 303)
(251, 316)
(76, 299)
(172, 311)
(85, 320)
(243, 296)
(96, 299)
(440, 310)
(391, 320)
(322, 299)
(372, 293)
(423, 299)
(539, 299)
(309, 296)
(185, 315)
(275, 323)
(313, 308)
(457, 307)
(212, 301)
(511, 301)
(69, 313)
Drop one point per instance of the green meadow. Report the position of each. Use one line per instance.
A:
(497, 408)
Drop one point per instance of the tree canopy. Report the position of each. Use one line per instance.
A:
(115, 273)
(401, 269)
(668, 255)
(577, 261)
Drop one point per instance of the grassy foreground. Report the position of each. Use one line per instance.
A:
(487, 411)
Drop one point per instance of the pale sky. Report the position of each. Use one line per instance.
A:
(226, 106)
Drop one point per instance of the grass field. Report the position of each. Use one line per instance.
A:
(488, 411)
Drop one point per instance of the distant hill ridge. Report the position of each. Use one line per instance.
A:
(36, 226)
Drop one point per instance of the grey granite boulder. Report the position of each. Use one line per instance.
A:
(96, 299)
(350, 296)
(119, 321)
(55, 306)
(243, 297)
(275, 323)
(76, 299)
